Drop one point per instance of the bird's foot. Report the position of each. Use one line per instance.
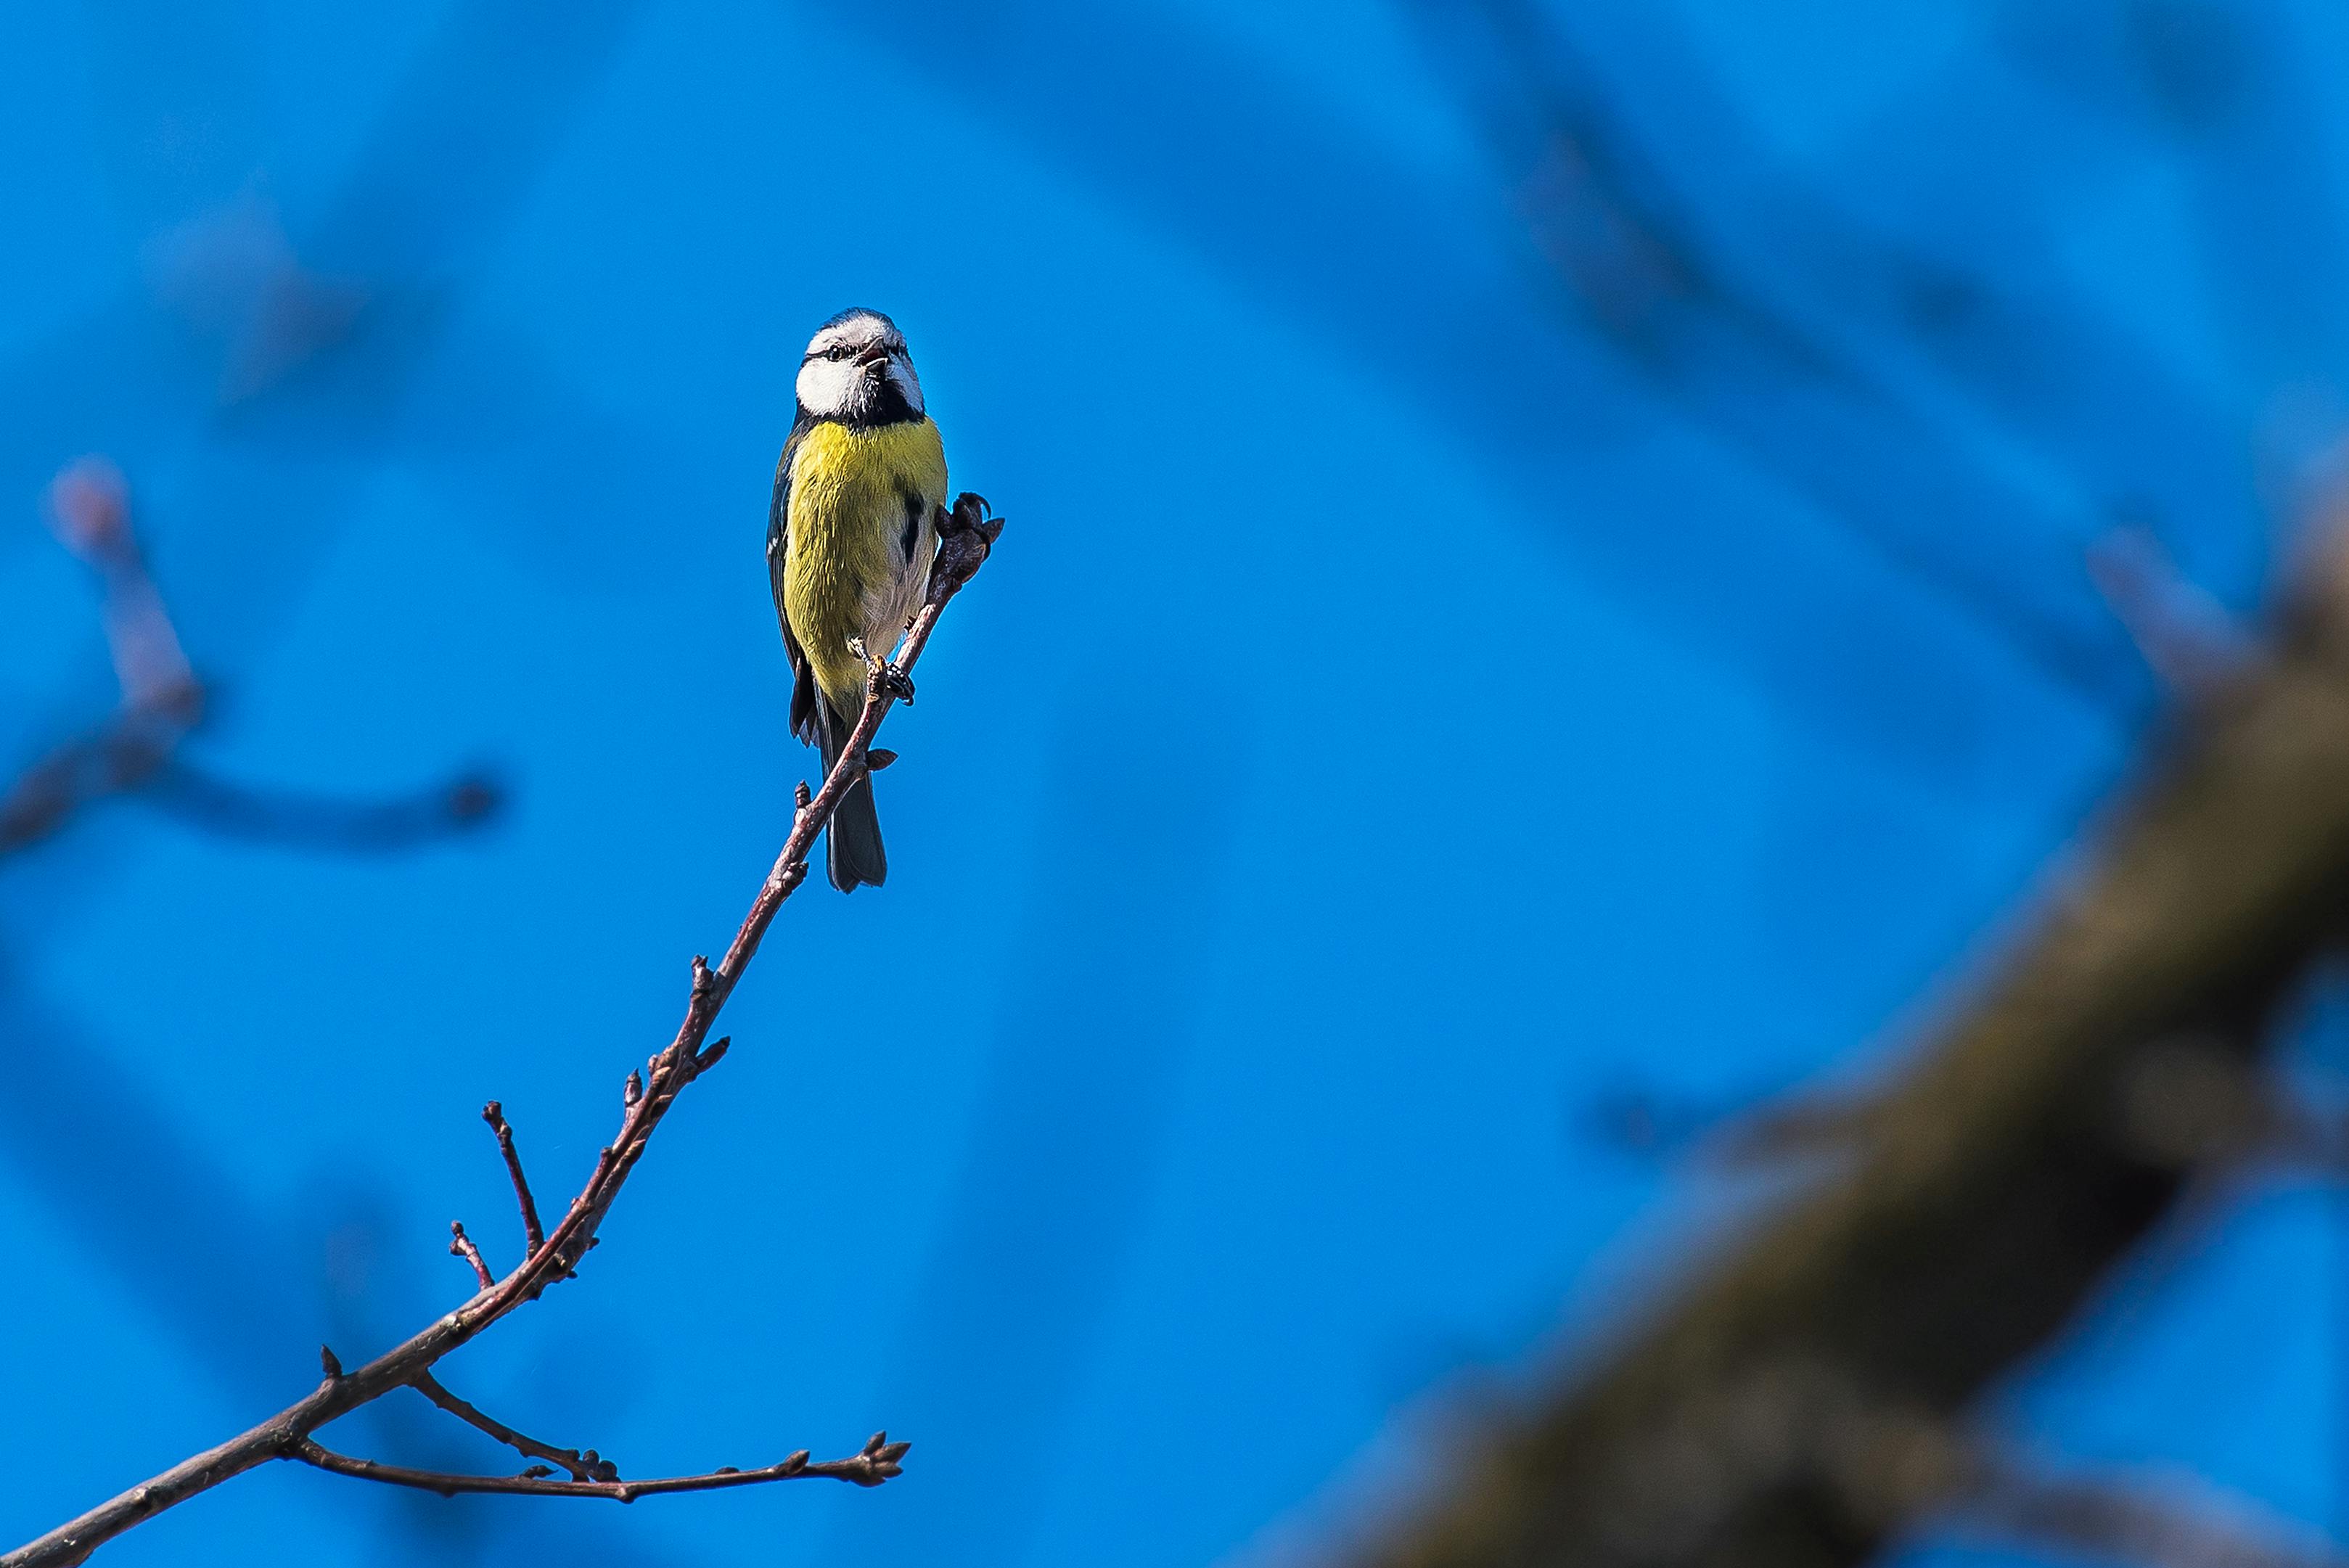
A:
(965, 536)
(972, 513)
(883, 674)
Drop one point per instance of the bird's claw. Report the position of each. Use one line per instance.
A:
(971, 514)
(886, 677)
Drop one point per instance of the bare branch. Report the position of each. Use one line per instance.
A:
(876, 1463)
(534, 1238)
(966, 535)
(589, 1466)
(461, 1246)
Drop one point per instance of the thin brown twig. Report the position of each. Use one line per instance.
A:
(533, 1237)
(875, 1463)
(966, 537)
(588, 1466)
(461, 1246)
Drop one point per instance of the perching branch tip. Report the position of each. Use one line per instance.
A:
(553, 1255)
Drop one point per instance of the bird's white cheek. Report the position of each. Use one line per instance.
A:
(823, 386)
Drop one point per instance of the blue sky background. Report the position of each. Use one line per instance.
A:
(1475, 646)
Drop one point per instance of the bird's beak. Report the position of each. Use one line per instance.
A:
(876, 355)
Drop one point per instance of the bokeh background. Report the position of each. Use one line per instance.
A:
(1544, 605)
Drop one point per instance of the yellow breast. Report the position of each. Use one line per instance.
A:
(848, 572)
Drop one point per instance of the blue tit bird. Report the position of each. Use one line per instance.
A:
(850, 538)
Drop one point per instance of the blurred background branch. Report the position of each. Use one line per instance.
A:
(1963, 1215)
(137, 751)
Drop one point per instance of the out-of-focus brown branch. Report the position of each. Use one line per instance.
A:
(2115, 1520)
(89, 512)
(138, 751)
(2046, 1124)
(323, 822)
(1897, 1466)
(1894, 1466)
(964, 537)
(2183, 633)
(1890, 1465)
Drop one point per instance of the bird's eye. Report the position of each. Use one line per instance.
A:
(837, 351)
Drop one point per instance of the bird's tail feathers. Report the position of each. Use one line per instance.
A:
(853, 854)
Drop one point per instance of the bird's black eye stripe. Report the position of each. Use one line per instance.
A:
(839, 351)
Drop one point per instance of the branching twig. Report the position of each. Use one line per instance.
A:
(872, 1465)
(587, 1466)
(966, 536)
(138, 749)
